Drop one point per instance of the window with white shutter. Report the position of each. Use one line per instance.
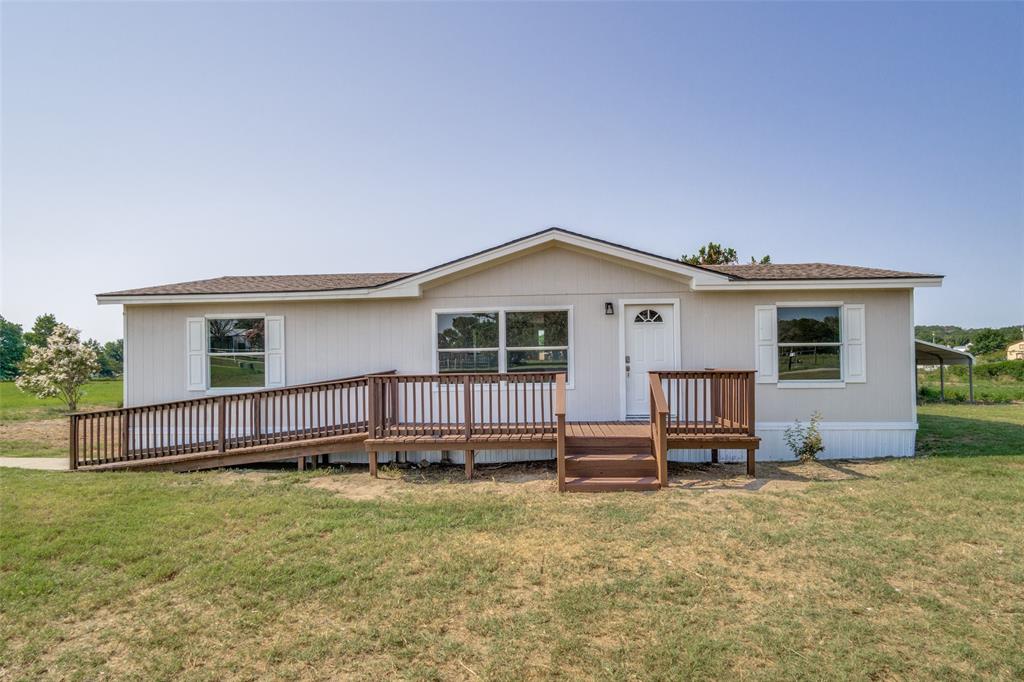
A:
(275, 351)
(855, 369)
(225, 352)
(808, 344)
(765, 332)
(195, 354)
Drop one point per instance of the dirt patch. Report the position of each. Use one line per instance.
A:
(355, 487)
(532, 478)
(50, 432)
(232, 476)
(772, 475)
(356, 484)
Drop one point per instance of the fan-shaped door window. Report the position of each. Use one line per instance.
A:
(648, 315)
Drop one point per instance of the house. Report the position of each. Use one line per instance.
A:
(1015, 351)
(790, 339)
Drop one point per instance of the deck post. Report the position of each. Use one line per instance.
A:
(467, 405)
(469, 456)
(750, 463)
(560, 430)
(73, 449)
(663, 447)
(372, 456)
(221, 426)
(659, 426)
(301, 463)
(124, 434)
(714, 455)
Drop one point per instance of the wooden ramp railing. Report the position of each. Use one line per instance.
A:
(221, 424)
(390, 412)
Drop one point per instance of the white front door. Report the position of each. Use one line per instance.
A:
(650, 346)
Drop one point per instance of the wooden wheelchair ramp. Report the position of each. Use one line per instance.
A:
(388, 412)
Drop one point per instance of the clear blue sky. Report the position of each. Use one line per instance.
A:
(147, 143)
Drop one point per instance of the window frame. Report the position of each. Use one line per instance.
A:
(483, 349)
(503, 348)
(217, 390)
(841, 344)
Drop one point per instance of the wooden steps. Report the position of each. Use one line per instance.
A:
(610, 465)
(610, 462)
(586, 484)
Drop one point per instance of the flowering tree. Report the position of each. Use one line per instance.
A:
(59, 369)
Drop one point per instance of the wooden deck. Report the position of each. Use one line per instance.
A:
(711, 409)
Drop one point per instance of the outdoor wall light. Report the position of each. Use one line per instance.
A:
(609, 308)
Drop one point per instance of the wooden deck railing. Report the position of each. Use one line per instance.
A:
(711, 401)
(560, 431)
(659, 427)
(220, 423)
(464, 406)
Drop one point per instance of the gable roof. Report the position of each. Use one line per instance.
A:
(397, 284)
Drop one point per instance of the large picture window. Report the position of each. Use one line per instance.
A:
(237, 353)
(810, 343)
(503, 341)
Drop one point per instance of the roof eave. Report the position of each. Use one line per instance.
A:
(803, 284)
(252, 297)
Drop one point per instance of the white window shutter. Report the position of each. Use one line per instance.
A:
(195, 354)
(855, 369)
(766, 358)
(274, 339)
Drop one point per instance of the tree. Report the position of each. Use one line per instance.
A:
(12, 349)
(110, 357)
(988, 341)
(112, 360)
(41, 330)
(60, 369)
(711, 254)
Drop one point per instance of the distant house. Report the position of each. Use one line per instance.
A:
(1015, 351)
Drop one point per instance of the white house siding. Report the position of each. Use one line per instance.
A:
(331, 339)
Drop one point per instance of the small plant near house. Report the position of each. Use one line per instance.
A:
(805, 441)
(60, 368)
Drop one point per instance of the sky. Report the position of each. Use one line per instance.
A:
(146, 143)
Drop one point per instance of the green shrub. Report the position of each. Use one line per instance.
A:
(805, 441)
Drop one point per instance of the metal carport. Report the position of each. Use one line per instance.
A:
(932, 354)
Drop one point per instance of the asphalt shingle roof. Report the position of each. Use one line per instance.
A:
(791, 271)
(265, 284)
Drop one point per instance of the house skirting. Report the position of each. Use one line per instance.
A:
(843, 440)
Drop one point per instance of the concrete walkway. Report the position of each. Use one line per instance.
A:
(44, 463)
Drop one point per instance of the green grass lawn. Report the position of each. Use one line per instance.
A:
(970, 430)
(16, 405)
(907, 569)
(1002, 389)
